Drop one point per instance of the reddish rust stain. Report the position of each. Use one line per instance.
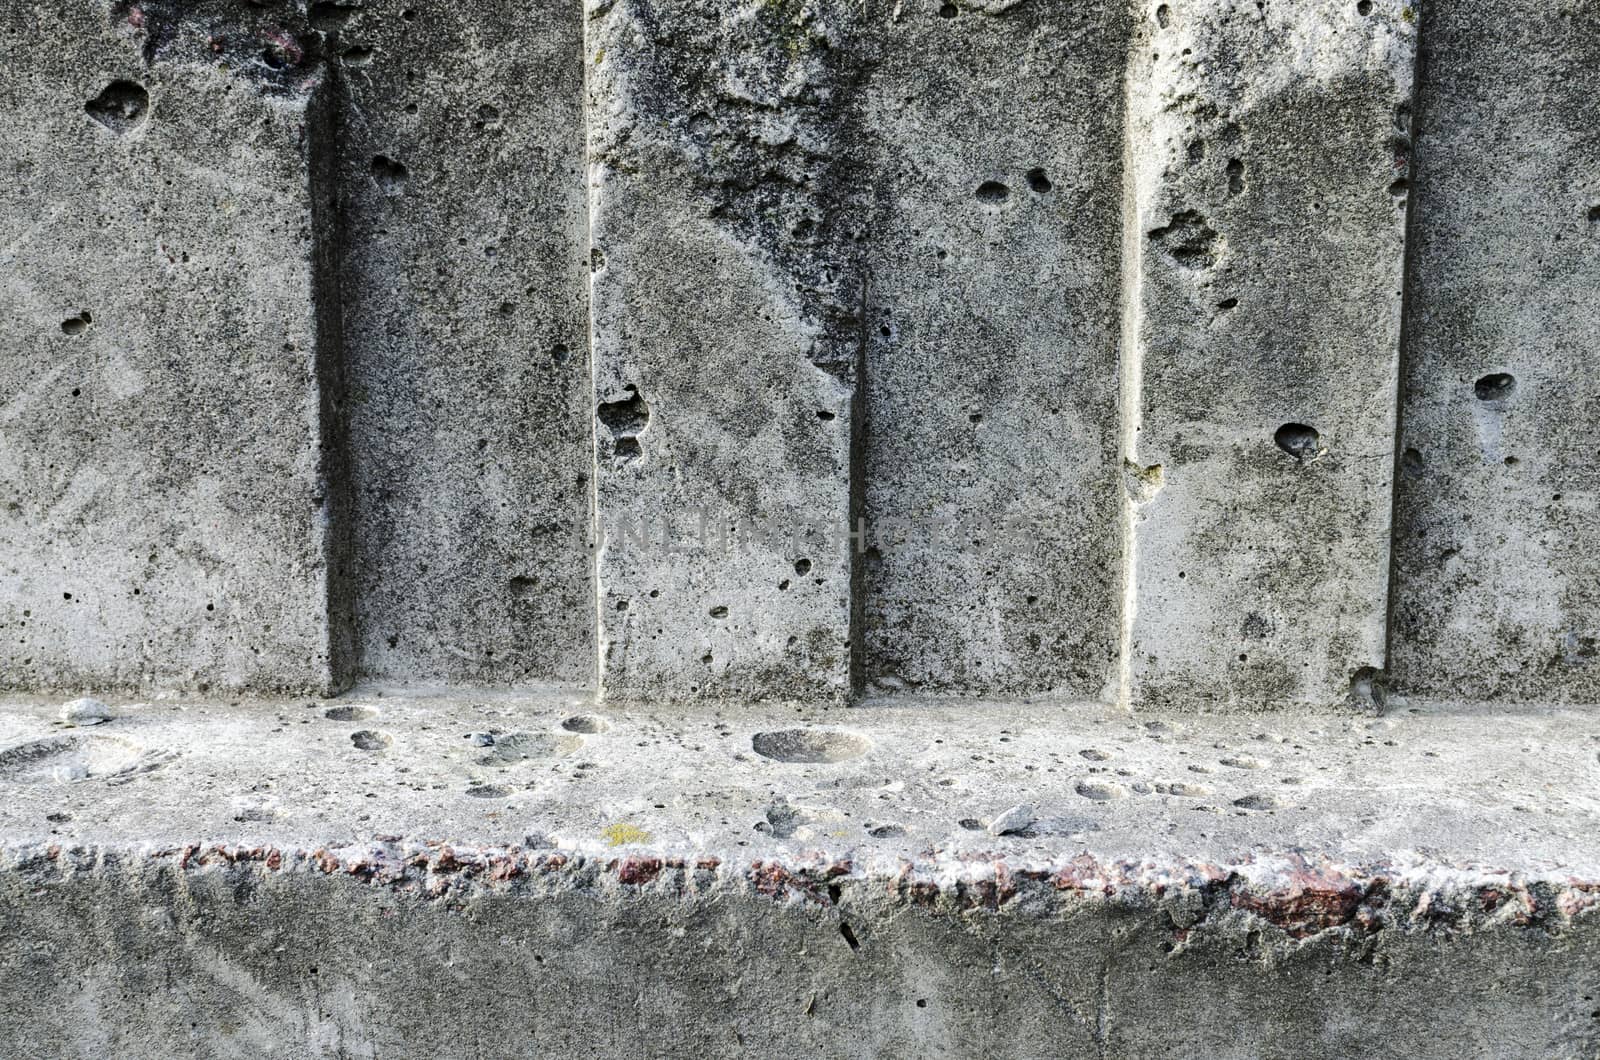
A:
(1311, 901)
(637, 871)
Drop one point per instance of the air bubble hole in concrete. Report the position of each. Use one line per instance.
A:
(809, 745)
(371, 740)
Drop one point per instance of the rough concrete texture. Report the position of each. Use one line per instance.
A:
(992, 472)
(465, 255)
(160, 416)
(338, 334)
(402, 876)
(726, 338)
(1270, 157)
(1497, 589)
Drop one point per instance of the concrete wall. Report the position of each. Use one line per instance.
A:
(512, 343)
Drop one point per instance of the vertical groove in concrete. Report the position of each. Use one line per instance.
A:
(1270, 192)
(324, 133)
(465, 324)
(1410, 282)
(1498, 590)
(1130, 364)
(992, 133)
(858, 541)
(597, 529)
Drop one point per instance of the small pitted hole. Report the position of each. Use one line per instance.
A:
(76, 325)
(560, 354)
(356, 55)
(1100, 790)
(849, 936)
(488, 791)
(390, 176)
(948, 11)
(1411, 460)
(586, 723)
(1039, 182)
(349, 714)
(1497, 387)
(824, 415)
(508, 309)
(1235, 176)
(809, 745)
(371, 740)
(783, 586)
(1594, 214)
(1189, 240)
(1512, 461)
(1227, 304)
(1163, 16)
(626, 420)
(719, 612)
(329, 15)
(122, 107)
(992, 192)
(1364, 7)
(976, 417)
(1399, 188)
(522, 586)
(1298, 440)
(802, 566)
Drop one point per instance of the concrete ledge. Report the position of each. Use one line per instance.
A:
(249, 880)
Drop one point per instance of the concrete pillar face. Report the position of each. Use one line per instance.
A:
(726, 334)
(1497, 586)
(1269, 153)
(992, 477)
(165, 517)
(465, 312)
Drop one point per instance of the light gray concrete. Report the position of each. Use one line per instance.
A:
(166, 516)
(992, 472)
(1261, 360)
(393, 875)
(1497, 591)
(465, 250)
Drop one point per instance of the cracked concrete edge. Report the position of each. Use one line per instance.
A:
(1299, 893)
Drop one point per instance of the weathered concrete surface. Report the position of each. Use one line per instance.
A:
(1269, 159)
(1497, 586)
(465, 299)
(165, 517)
(520, 875)
(726, 339)
(992, 473)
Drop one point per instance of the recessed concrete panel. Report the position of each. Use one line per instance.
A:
(465, 306)
(993, 145)
(1497, 580)
(165, 519)
(726, 335)
(1270, 153)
